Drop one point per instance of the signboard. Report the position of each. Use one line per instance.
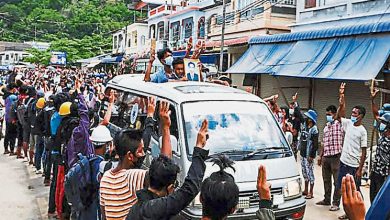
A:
(58, 58)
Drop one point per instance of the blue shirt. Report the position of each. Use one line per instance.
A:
(55, 123)
(159, 76)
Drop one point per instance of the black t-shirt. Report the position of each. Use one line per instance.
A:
(296, 123)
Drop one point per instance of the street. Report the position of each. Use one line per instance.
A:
(24, 197)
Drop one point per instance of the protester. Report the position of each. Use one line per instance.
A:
(129, 147)
(308, 151)
(163, 174)
(354, 150)
(164, 74)
(10, 121)
(380, 169)
(37, 131)
(330, 157)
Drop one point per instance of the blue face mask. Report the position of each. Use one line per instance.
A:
(382, 127)
(353, 119)
(329, 118)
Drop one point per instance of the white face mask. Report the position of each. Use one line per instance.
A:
(169, 61)
(291, 111)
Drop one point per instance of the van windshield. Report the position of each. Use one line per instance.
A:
(234, 126)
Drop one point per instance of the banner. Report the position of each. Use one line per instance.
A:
(58, 58)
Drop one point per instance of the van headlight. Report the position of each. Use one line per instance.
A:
(196, 202)
(292, 188)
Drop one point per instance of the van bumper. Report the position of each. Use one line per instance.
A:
(292, 209)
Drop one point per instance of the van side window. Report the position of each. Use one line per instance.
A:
(129, 110)
(174, 125)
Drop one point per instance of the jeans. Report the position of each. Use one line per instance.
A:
(10, 136)
(377, 182)
(330, 168)
(344, 170)
(55, 160)
(48, 164)
(39, 147)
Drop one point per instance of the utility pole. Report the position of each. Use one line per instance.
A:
(222, 35)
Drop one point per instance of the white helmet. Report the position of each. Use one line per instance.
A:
(100, 135)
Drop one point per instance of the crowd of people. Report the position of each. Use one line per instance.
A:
(53, 123)
(344, 146)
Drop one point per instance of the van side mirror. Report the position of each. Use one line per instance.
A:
(174, 144)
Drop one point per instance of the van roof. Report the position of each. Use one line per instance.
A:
(181, 91)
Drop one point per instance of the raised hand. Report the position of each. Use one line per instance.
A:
(152, 56)
(165, 114)
(202, 134)
(151, 106)
(352, 200)
(112, 97)
(342, 88)
(263, 187)
(295, 97)
(374, 93)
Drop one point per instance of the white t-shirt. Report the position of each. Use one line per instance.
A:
(355, 139)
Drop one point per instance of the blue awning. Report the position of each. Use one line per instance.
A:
(356, 57)
(344, 31)
(108, 60)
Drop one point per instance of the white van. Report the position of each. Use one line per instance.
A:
(241, 126)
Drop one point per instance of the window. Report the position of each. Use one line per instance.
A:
(201, 28)
(160, 28)
(115, 42)
(130, 111)
(129, 42)
(143, 40)
(176, 31)
(120, 42)
(152, 31)
(310, 3)
(135, 37)
(233, 126)
(188, 25)
(7, 57)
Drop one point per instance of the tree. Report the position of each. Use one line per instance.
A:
(38, 57)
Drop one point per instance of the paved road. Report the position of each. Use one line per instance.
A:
(23, 196)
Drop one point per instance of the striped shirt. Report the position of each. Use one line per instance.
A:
(118, 191)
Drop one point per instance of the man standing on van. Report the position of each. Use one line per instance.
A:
(354, 150)
(330, 157)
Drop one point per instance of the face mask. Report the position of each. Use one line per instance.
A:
(329, 118)
(169, 61)
(139, 162)
(280, 115)
(291, 111)
(382, 127)
(353, 119)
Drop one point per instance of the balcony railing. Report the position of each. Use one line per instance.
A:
(163, 9)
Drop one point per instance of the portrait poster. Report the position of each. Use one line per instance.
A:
(191, 67)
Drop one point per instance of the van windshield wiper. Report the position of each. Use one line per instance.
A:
(264, 150)
(234, 151)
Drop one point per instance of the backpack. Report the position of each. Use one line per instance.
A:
(81, 182)
(21, 109)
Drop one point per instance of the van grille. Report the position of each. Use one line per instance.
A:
(252, 197)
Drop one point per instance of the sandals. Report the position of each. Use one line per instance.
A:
(334, 208)
(309, 196)
(323, 203)
(344, 217)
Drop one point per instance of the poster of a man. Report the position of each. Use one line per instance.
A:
(192, 69)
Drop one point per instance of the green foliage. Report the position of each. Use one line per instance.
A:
(82, 28)
(38, 57)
